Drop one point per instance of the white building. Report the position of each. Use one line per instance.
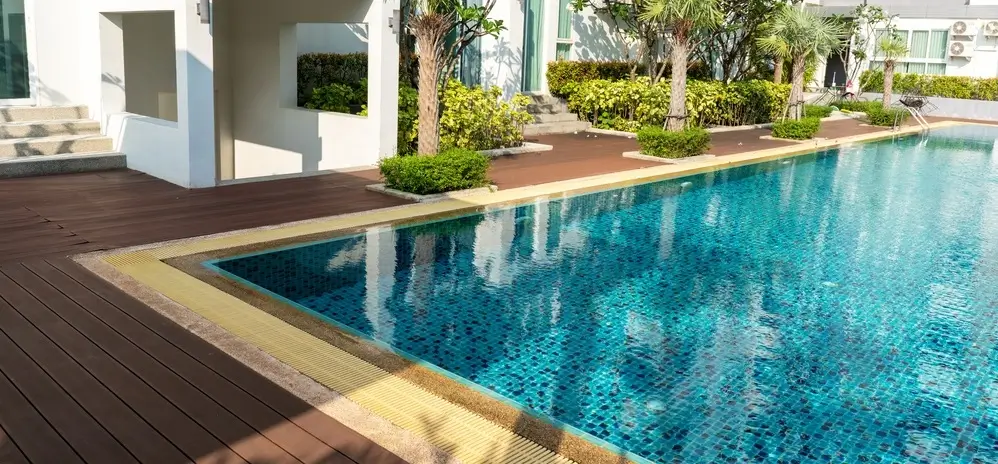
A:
(944, 37)
(204, 93)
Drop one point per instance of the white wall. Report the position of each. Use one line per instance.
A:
(271, 135)
(595, 38)
(151, 60)
(984, 62)
(332, 38)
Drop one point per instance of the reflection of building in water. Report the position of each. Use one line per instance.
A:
(379, 281)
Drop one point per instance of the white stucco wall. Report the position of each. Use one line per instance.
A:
(984, 62)
(332, 38)
(271, 135)
(593, 38)
(149, 42)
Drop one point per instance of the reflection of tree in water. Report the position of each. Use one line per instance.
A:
(770, 307)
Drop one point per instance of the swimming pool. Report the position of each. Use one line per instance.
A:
(841, 306)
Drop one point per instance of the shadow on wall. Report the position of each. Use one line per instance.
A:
(505, 68)
(597, 39)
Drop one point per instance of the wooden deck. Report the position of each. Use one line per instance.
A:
(91, 375)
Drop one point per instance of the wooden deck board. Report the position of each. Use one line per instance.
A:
(28, 431)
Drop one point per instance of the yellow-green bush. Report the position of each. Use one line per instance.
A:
(630, 105)
(479, 119)
(453, 169)
(655, 141)
(562, 75)
(934, 86)
(802, 129)
(878, 116)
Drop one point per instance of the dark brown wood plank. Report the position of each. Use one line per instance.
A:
(168, 419)
(257, 414)
(26, 427)
(71, 421)
(127, 428)
(9, 452)
(315, 422)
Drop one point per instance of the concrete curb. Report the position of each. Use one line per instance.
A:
(770, 137)
(658, 159)
(381, 188)
(527, 147)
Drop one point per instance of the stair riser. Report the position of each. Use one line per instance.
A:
(49, 129)
(42, 147)
(42, 113)
(556, 117)
(555, 128)
(50, 165)
(547, 109)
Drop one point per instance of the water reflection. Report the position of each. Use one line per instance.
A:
(832, 308)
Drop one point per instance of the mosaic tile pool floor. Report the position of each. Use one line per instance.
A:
(837, 307)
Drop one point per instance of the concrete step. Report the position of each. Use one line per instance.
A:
(545, 99)
(15, 130)
(570, 127)
(54, 145)
(555, 117)
(42, 113)
(547, 108)
(30, 166)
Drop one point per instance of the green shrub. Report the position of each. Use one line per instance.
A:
(332, 97)
(629, 105)
(453, 169)
(817, 111)
(564, 75)
(881, 117)
(933, 86)
(655, 141)
(322, 69)
(796, 129)
(479, 119)
(858, 106)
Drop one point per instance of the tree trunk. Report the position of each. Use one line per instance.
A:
(797, 87)
(778, 70)
(429, 93)
(888, 82)
(677, 99)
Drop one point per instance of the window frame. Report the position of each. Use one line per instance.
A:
(902, 65)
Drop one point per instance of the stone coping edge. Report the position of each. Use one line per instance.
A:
(527, 147)
(659, 159)
(381, 188)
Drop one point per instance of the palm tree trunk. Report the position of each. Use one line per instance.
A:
(677, 99)
(778, 71)
(888, 82)
(429, 93)
(797, 87)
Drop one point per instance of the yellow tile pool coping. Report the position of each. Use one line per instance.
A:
(464, 434)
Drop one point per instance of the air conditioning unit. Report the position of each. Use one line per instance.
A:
(961, 49)
(991, 29)
(963, 28)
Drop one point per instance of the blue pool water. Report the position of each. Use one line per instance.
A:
(837, 307)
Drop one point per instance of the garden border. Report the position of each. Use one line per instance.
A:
(434, 197)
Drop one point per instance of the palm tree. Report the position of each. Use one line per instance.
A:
(891, 48)
(680, 18)
(803, 36)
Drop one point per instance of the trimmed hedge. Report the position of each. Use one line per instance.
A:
(880, 117)
(561, 74)
(631, 105)
(858, 106)
(803, 129)
(453, 169)
(817, 111)
(655, 141)
(934, 86)
(322, 69)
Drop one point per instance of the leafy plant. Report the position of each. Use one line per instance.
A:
(796, 129)
(934, 86)
(564, 75)
(332, 97)
(803, 36)
(892, 48)
(630, 105)
(322, 69)
(880, 116)
(478, 119)
(860, 28)
(453, 169)
(858, 106)
(655, 141)
(817, 111)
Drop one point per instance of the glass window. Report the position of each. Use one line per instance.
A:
(876, 65)
(563, 51)
(938, 44)
(564, 19)
(914, 68)
(919, 44)
(937, 69)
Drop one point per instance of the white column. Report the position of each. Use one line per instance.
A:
(383, 75)
(112, 65)
(196, 94)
